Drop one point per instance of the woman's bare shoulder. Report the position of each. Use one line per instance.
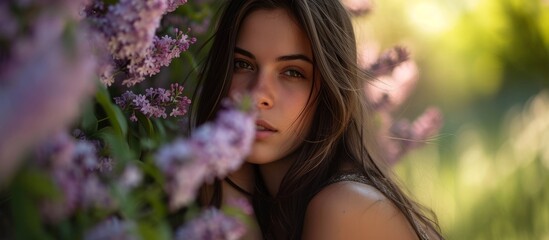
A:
(353, 210)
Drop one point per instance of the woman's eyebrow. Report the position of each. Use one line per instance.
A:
(244, 52)
(281, 58)
(295, 57)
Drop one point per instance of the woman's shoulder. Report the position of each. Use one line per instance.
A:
(354, 210)
(349, 191)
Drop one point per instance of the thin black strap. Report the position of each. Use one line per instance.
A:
(352, 176)
(345, 176)
(238, 188)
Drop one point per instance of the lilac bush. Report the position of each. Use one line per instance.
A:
(108, 179)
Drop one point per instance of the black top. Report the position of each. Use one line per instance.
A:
(348, 176)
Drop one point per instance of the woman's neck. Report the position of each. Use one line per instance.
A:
(273, 173)
(244, 177)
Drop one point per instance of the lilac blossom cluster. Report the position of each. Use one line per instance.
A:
(74, 166)
(388, 61)
(129, 29)
(358, 7)
(43, 79)
(162, 52)
(77, 169)
(174, 4)
(214, 150)
(212, 224)
(155, 102)
(112, 228)
(412, 135)
(395, 78)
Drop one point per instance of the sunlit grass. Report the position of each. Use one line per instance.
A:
(487, 174)
(484, 193)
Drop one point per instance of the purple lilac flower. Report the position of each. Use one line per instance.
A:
(177, 94)
(358, 7)
(417, 133)
(214, 150)
(212, 225)
(396, 77)
(129, 30)
(106, 73)
(225, 144)
(174, 4)
(9, 27)
(73, 166)
(388, 61)
(61, 76)
(105, 164)
(130, 25)
(112, 229)
(403, 136)
(92, 147)
(131, 177)
(181, 108)
(388, 92)
(95, 194)
(160, 55)
(155, 102)
(184, 174)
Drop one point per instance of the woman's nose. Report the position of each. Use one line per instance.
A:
(263, 90)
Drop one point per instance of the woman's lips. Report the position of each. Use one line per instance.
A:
(263, 130)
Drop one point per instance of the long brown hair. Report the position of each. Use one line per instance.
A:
(339, 133)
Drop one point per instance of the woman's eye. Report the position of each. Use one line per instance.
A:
(239, 64)
(294, 74)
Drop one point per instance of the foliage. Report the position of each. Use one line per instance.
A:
(483, 62)
(481, 192)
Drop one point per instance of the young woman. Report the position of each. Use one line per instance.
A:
(312, 172)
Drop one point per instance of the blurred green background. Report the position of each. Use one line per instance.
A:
(485, 64)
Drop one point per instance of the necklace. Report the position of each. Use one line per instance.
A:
(238, 188)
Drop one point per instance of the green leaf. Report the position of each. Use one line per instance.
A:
(154, 231)
(151, 170)
(146, 123)
(37, 184)
(147, 143)
(89, 120)
(192, 211)
(66, 230)
(115, 115)
(161, 130)
(155, 197)
(128, 204)
(26, 216)
(116, 144)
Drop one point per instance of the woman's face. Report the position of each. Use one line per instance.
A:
(273, 59)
